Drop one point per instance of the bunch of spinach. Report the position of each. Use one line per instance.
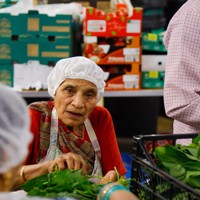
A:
(62, 183)
(182, 162)
(66, 183)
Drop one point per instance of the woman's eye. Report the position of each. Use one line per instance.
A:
(69, 90)
(89, 95)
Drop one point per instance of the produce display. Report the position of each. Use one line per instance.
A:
(164, 169)
(66, 183)
(182, 162)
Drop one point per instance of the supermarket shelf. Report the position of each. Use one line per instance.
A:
(135, 93)
(34, 94)
(130, 93)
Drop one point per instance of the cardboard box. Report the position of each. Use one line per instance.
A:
(122, 77)
(112, 50)
(153, 42)
(153, 79)
(34, 23)
(153, 62)
(7, 3)
(153, 71)
(6, 74)
(123, 82)
(116, 23)
(46, 50)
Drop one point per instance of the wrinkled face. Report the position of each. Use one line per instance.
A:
(74, 101)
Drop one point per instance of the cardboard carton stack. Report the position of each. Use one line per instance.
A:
(153, 71)
(33, 36)
(113, 41)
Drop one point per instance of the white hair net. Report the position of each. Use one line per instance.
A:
(14, 129)
(77, 67)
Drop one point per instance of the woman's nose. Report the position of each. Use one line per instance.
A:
(78, 101)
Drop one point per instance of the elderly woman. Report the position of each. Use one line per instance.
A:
(72, 131)
(15, 138)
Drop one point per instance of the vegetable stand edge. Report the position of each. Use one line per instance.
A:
(150, 182)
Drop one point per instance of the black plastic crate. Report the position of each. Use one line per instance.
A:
(148, 181)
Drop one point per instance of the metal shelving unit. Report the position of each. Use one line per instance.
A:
(130, 93)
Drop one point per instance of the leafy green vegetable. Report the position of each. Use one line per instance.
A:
(193, 178)
(182, 162)
(70, 183)
(62, 183)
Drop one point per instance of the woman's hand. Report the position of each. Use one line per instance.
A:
(68, 161)
(111, 176)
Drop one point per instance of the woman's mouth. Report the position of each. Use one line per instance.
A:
(74, 115)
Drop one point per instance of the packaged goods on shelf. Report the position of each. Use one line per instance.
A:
(153, 71)
(100, 4)
(48, 50)
(116, 23)
(34, 23)
(30, 75)
(153, 79)
(153, 41)
(7, 3)
(113, 40)
(112, 50)
(122, 77)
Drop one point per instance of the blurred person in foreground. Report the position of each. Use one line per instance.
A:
(15, 137)
(71, 131)
(182, 75)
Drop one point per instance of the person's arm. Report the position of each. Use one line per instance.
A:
(182, 74)
(115, 191)
(110, 176)
(65, 161)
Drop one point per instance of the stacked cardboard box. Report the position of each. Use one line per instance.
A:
(153, 41)
(153, 71)
(33, 36)
(113, 41)
(7, 3)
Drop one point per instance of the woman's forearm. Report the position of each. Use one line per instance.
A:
(27, 172)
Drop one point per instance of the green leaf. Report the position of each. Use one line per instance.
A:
(192, 166)
(171, 154)
(39, 181)
(193, 178)
(62, 183)
(196, 139)
(175, 170)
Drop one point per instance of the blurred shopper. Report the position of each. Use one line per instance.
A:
(182, 75)
(15, 137)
